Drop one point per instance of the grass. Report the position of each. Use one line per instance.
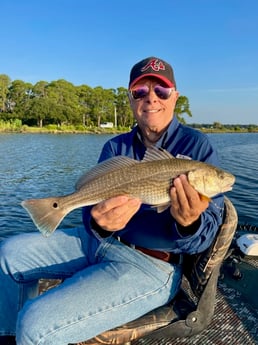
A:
(16, 126)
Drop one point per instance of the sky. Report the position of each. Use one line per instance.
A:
(212, 46)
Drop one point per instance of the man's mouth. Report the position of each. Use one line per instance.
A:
(152, 111)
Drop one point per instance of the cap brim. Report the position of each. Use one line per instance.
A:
(164, 79)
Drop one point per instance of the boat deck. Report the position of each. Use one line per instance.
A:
(235, 319)
(236, 313)
(234, 322)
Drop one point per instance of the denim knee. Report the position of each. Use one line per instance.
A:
(27, 330)
(7, 253)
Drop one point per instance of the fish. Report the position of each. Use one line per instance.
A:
(149, 180)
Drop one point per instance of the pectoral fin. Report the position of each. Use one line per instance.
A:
(162, 207)
(204, 197)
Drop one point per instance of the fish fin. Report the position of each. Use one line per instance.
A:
(154, 153)
(162, 207)
(105, 167)
(204, 197)
(45, 213)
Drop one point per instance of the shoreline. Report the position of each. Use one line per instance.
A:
(97, 130)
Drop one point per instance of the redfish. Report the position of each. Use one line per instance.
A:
(149, 180)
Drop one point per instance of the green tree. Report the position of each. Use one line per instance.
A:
(64, 95)
(19, 95)
(102, 102)
(4, 88)
(38, 106)
(124, 113)
(182, 107)
(40, 111)
(217, 125)
(40, 89)
(84, 93)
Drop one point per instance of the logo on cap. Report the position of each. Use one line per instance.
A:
(155, 64)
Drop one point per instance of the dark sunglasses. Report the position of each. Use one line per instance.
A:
(142, 91)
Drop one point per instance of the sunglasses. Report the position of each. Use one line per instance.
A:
(142, 91)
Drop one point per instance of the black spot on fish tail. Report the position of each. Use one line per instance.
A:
(45, 213)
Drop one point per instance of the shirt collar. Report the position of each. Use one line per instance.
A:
(162, 142)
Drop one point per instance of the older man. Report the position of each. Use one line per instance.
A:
(126, 260)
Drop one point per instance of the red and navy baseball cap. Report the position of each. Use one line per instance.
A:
(152, 67)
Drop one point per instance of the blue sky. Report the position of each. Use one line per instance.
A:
(211, 44)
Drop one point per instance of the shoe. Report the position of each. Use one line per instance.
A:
(7, 340)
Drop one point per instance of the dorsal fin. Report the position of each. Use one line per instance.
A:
(105, 167)
(154, 153)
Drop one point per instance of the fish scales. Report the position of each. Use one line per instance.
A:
(149, 180)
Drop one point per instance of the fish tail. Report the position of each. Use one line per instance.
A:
(45, 213)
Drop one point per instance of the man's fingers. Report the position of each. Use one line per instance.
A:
(180, 191)
(113, 214)
(186, 204)
(109, 204)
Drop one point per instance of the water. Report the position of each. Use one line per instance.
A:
(41, 165)
(238, 154)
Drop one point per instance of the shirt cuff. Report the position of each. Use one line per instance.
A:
(189, 230)
(98, 229)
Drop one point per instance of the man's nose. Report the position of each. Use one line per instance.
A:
(151, 97)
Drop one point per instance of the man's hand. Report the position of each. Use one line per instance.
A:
(186, 203)
(113, 214)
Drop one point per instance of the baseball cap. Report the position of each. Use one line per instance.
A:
(152, 67)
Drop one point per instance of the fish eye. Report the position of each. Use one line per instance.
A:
(220, 175)
(55, 205)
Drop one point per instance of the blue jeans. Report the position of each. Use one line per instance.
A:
(106, 284)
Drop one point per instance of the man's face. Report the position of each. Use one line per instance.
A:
(152, 112)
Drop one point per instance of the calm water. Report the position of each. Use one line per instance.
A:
(41, 165)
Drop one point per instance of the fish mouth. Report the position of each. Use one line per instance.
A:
(228, 185)
(227, 188)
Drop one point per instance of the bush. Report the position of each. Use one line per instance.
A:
(14, 125)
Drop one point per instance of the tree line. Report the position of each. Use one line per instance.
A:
(219, 127)
(62, 103)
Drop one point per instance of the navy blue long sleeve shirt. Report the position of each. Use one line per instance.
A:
(159, 231)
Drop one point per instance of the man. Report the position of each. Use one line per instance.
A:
(126, 260)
